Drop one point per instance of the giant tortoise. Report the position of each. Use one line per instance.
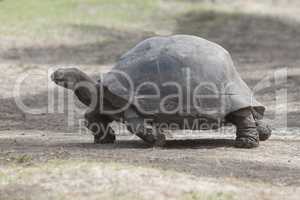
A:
(177, 82)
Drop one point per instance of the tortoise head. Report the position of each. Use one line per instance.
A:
(67, 77)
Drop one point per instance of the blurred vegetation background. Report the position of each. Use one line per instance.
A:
(119, 24)
(56, 18)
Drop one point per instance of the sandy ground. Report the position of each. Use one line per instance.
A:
(204, 163)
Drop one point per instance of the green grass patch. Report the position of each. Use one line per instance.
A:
(50, 17)
(53, 18)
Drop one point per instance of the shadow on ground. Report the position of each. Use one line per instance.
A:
(170, 144)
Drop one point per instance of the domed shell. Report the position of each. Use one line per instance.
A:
(180, 75)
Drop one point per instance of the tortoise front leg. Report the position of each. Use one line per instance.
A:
(151, 135)
(147, 133)
(138, 126)
(99, 125)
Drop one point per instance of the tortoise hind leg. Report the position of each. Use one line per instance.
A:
(263, 130)
(99, 125)
(246, 134)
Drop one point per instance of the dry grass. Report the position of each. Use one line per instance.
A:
(83, 179)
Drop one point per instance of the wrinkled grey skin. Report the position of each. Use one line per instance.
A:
(159, 60)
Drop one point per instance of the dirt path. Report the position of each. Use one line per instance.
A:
(276, 162)
(208, 161)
